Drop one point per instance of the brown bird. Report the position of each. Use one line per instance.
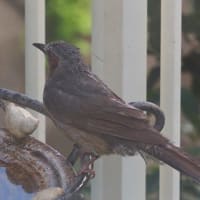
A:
(96, 119)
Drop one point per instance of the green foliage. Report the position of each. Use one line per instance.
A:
(152, 182)
(69, 20)
(154, 20)
(189, 105)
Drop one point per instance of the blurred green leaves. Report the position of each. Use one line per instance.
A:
(69, 20)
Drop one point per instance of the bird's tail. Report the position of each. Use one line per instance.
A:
(176, 158)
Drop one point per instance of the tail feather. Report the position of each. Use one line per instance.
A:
(176, 158)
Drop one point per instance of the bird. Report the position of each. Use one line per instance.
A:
(98, 120)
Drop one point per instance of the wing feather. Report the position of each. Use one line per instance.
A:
(93, 107)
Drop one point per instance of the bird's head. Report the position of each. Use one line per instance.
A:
(59, 51)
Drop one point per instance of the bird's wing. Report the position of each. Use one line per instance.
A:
(93, 107)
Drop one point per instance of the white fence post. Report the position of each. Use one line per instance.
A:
(170, 89)
(34, 60)
(119, 58)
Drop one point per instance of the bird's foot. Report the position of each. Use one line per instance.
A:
(78, 182)
(85, 173)
(89, 172)
(87, 162)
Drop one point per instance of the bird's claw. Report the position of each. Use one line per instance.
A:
(87, 161)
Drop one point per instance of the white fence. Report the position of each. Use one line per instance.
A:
(34, 60)
(119, 57)
(170, 89)
(119, 39)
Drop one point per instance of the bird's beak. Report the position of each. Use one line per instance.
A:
(40, 46)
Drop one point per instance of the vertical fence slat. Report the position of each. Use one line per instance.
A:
(107, 183)
(34, 60)
(119, 58)
(170, 89)
(134, 88)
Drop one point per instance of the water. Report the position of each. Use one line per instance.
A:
(10, 191)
